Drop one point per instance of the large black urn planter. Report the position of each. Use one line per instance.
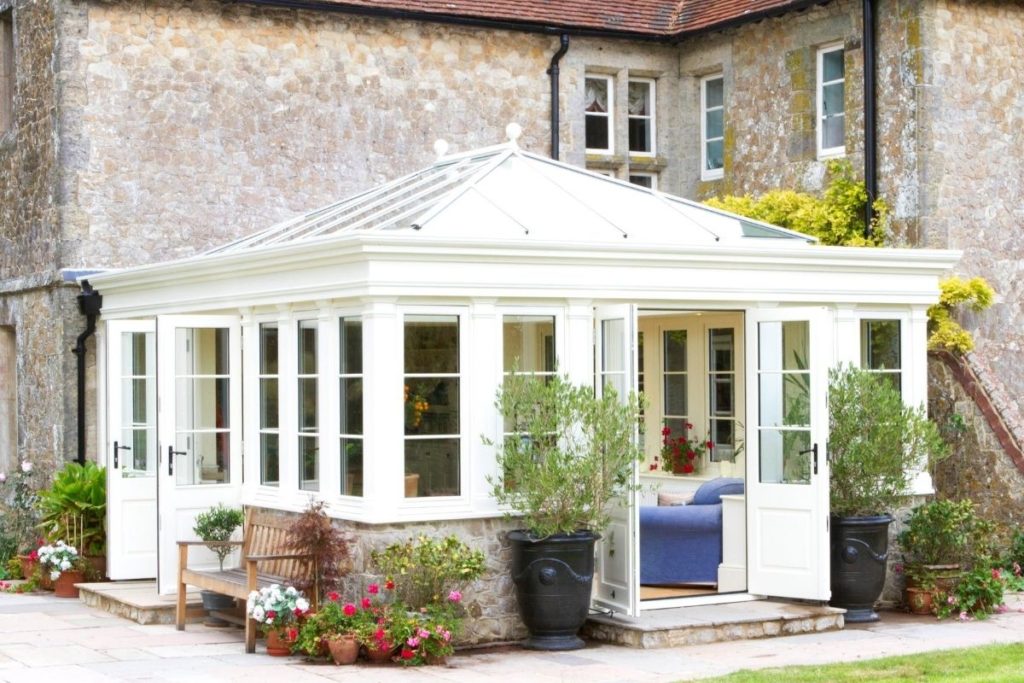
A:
(860, 549)
(553, 578)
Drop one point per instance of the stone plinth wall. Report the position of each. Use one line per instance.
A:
(492, 614)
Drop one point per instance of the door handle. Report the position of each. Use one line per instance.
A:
(170, 459)
(119, 448)
(812, 449)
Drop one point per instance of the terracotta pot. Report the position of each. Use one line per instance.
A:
(99, 566)
(344, 649)
(380, 655)
(919, 600)
(64, 587)
(28, 566)
(278, 643)
(437, 660)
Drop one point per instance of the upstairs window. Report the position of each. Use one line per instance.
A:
(598, 109)
(6, 71)
(712, 127)
(640, 113)
(831, 128)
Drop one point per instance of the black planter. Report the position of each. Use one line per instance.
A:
(553, 578)
(216, 602)
(860, 548)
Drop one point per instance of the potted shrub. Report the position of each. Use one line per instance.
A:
(215, 527)
(936, 543)
(567, 456)
(331, 630)
(278, 610)
(74, 507)
(876, 445)
(63, 565)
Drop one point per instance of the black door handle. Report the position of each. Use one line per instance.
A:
(119, 448)
(170, 459)
(812, 449)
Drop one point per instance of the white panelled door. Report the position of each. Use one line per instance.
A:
(617, 587)
(789, 351)
(200, 426)
(131, 449)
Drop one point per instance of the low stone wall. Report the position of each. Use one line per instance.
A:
(490, 603)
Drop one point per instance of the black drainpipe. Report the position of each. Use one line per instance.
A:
(553, 72)
(89, 303)
(870, 123)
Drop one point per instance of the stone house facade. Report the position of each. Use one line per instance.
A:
(143, 132)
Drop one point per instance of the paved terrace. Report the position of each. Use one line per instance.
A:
(43, 638)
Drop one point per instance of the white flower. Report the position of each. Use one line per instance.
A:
(302, 604)
(54, 575)
(258, 613)
(290, 590)
(65, 565)
(3, 477)
(26, 466)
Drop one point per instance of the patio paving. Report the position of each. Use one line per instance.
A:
(43, 638)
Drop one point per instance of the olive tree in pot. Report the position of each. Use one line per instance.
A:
(876, 446)
(215, 527)
(566, 455)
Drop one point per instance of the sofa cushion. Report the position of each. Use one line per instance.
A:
(711, 492)
(675, 497)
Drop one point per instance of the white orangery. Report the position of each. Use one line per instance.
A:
(355, 351)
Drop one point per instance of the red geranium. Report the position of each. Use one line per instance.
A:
(349, 609)
(407, 653)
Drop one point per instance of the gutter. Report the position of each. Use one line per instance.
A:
(89, 303)
(870, 29)
(553, 73)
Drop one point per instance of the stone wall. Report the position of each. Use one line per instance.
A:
(491, 612)
(973, 172)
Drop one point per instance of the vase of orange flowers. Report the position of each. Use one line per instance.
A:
(683, 454)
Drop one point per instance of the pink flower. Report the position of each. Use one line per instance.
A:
(950, 600)
(423, 633)
(334, 596)
(665, 431)
(1001, 609)
(447, 635)
(349, 609)
(26, 467)
(271, 614)
(996, 574)
(413, 642)
(964, 617)
(366, 603)
(455, 596)
(378, 634)
(373, 589)
(898, 568)
(3, 477)
(407, 653)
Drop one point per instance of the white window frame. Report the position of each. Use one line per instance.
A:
(260, 430)
(705, 172)
(610, 114)
(863, 318)
(339, 376)
(644, 174)
(651, 118)
(819, 124)
(298, 435)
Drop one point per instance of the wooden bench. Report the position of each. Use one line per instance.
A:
(265, 561)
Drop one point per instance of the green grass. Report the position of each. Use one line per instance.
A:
(989, 664)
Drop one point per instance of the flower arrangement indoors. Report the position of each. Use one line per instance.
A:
(682, 454)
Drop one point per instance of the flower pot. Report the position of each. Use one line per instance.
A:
(28, 566)
(553, 578)
(437, 660)
(99, 566)
(919, 600)
(278, 643)
(216, 602)
(380, 655)
(344, 649)
(859, 553)
(944, 577)
(64, 586)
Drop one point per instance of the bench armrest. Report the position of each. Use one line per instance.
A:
(180, 543)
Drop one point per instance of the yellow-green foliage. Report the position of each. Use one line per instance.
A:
(835, 218)
(946, 333)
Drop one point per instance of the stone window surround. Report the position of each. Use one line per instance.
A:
(705, 172)
(826, 152)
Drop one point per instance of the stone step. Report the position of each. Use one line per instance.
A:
(139, 601)
(713, 623)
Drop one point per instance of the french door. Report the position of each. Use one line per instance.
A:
(789, 351)
(131, 449)
(200, 419)
(617, 587)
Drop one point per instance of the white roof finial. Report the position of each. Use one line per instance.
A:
(440, 148)
(513, 131)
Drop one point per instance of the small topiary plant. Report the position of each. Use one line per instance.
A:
(955, 292)
(215, 526)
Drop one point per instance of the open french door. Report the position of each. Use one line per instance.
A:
(617, 587)
(789, 351)
(131, 449)
(200, 426)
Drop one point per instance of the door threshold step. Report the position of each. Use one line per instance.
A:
(140, 602)
(702, 624)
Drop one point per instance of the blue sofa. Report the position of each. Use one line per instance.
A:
(683, 543)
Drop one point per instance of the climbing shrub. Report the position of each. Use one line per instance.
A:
(946, 333)
(835, 218)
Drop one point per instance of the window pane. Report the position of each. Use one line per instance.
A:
(639, 98)
(880, 344)
(351, 400)
(715, 153)
(352, 467)
(268, 349)
(833, 66)
(309, 463)
(351, 346)
(721, 350)
(203, 403)
(596, 95)
(269, 462)
(205, 460)
(714, 126)
(834, 133)
(431, 344)
(640, 135)
(431, 467)
(713, 93)
(528, 343)
(783, 457)
(432, 405)
(675, 395)
(722, 393)
(643, 181)
(677, 427)
(307, 347)
(597, 132)
(307, 404)
(675, 350)
(832, 99)
(723, 435)
(269, 415)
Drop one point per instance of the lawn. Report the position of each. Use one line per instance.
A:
(989, 664)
